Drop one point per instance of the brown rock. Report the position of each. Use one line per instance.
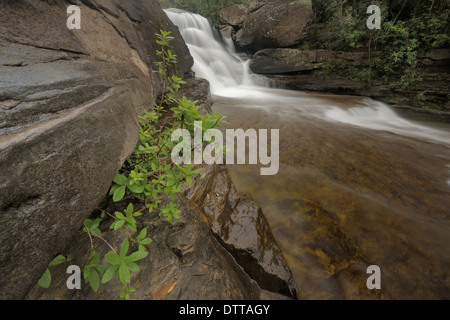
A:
(233, 15)
(239, 224)
(185, 262)
(274, 25)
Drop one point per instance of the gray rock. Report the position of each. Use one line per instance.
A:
(285, 60)
(233, 15)
(69, 110)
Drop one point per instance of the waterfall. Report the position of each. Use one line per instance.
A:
(215, 59)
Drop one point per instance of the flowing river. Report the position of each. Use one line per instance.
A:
(358, 184)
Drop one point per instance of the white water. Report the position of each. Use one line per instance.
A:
(230, 76)
(213, 60)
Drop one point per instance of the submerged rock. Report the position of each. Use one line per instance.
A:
(240, 226)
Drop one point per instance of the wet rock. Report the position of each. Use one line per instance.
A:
(285, 60)
(240, 226)
(227, 32)
(185, 261)
(70, 101)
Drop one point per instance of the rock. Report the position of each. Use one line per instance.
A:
(185, 262)
(211, 252)
(304, 70)
(275, 25)
(227, 32)
(284, 60)
(233, 15)
(254, 5)
(273, 61)
(240, 226)
(70, 101)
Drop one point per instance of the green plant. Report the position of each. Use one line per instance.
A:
(148, 175)
(46, 278)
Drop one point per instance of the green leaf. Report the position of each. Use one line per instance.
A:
(113, 189)
(124, 248)
(136, 256)
(118, 224)
(45, 280)
(94, 280)
(124, 273)
(113, 258)
(120, 179)
(109, 273)
(86, 273)
(136, 188)
(96, 232)
(94, 259)
(146, 241)
(119, 215)
(119, 193)
(129, 210)
(142, 235)
(57, 261)
(133, 267)
(133, 227)
(100, 269)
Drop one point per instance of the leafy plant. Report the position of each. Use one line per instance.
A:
(148, 175)
(46, 278)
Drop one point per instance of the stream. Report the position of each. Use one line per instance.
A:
(359, 184)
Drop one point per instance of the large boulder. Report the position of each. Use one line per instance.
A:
(275, 25)
(233, 15)
(69, 107)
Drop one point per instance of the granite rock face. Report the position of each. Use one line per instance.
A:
(275, 25)
(69, 106)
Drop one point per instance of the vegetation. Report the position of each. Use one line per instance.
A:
(148, 175)
(206, 8)
(409, 28)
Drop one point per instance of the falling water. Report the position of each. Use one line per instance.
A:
(215, 57)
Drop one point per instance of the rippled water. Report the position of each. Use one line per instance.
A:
(353, 190)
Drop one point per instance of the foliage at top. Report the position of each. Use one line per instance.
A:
(409, 28)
